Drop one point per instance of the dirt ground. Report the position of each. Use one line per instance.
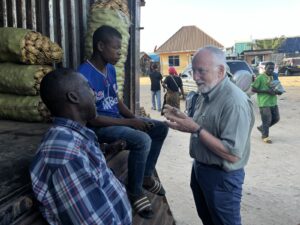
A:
(271, 193)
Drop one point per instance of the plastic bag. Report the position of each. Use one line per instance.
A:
(277, 87)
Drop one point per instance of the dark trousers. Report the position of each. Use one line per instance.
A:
(217, 194)
(269, 116)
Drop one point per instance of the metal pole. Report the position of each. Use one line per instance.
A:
(4, 6)
(64, 32)
(14, 13)
(24, 17)
(75, 33)
(52, 16)
(33, 14)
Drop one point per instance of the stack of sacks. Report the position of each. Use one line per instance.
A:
(25, 46)
(113, 13)
(20, 83)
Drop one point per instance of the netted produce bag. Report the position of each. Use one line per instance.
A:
(22, 79)
(23, 108)
(113, 13)
(29, 47)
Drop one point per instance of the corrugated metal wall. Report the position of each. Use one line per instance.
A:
(64, 21)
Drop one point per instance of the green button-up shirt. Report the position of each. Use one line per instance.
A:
(227, 113)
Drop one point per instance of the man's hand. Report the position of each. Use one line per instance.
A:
(271, 92)
(138, 124)
(178, 120)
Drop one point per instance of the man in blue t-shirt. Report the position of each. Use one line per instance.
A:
(114, 121)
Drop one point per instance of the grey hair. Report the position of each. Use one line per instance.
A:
(217, 53)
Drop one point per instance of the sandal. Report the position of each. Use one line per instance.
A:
(142, 206)
(267, 140)
(155, 188)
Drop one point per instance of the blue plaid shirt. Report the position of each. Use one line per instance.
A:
(72, 182)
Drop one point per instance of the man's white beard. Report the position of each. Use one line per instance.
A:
(203, 88)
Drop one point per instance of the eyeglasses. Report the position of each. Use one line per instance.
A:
(200, 70)
(203, 71)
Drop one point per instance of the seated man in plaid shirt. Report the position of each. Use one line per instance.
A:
(70, 178)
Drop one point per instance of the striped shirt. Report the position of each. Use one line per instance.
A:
(72, 182)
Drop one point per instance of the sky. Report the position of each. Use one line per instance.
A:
(227, 21)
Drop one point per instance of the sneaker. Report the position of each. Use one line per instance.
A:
(267, 140)
(153, 108)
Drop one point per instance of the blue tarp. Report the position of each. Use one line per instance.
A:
(290, 45)
(154, 57)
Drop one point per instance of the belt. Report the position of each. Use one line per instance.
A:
(215, 166)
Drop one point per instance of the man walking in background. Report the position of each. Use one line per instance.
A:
(267, 101)
(156, 81)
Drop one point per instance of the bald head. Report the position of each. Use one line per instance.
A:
(55, 88)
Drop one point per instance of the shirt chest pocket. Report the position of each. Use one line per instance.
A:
(209, 119)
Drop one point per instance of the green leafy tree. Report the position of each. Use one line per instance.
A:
(268, 43)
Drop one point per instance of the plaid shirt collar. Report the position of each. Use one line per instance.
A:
(71, 124)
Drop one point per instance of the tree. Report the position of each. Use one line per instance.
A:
(268, 43)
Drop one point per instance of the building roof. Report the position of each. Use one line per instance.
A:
(144, 54)
(187, 38)
(290, 45)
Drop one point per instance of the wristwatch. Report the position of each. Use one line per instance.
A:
(197, 132)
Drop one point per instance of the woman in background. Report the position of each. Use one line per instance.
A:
(173, 84)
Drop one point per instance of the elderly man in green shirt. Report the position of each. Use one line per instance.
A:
(220, 141)
(267, 101)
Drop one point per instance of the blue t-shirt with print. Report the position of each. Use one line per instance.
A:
(105, 88)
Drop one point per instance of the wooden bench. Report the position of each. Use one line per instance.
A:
(18, 144)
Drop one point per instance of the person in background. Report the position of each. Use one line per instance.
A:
(70, 178)
(114, 121)
(173, 84)
(156, 81)
(267, 101)
(275, 76)
(220, 130)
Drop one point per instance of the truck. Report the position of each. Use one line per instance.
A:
(64, 22)
(290, 66)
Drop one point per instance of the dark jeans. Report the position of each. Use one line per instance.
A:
(269, 116)
(144, 150)
(217, 194)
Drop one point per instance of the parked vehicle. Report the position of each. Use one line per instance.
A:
(237, 65)
(239, 69)
(261, 67)
(290, 66)
(188, 82)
